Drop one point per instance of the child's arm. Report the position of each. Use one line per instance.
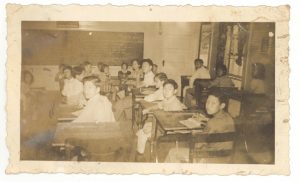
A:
(152, 108)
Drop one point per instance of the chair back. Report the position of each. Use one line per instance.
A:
(201, 91)
(208, 139)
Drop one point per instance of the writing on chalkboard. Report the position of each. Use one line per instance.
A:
(52, 47)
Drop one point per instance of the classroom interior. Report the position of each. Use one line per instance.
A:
(47, 130)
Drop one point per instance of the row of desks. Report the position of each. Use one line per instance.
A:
(165, 125)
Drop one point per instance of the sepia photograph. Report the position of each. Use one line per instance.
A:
(149, 92)
(89, 94)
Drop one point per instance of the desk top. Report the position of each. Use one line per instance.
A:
(169, 121)
(64, 113)
(146, 105)
(142, 92)
(85, 131)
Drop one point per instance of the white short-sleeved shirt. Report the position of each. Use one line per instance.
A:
(98, 109)
(149, 79)
(200, 73)
(157, 95)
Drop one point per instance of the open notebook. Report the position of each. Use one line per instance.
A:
(193, 123)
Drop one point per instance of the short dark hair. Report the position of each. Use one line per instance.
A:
(218, 94)
(61, 65)
(67, 67)
(138, 62)
(77, 70)
(99, 64)
(26, 72)
(223, 68)
(96, 81)
(161, 76)
(149, 61)
(124, 64)
(86, 63)
(103, 66)
(171, 82)
(198, 60)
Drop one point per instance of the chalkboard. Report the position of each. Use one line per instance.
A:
(52, 47)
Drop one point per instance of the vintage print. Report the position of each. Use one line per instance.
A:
(205, 95)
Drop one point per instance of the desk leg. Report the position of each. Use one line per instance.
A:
(153, 148)
(181, 95)
(133, 112)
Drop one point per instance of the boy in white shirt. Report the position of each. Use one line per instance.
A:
(73, 88)
(98, 108)
(159, 79)
(126, 102)
(148, 74)
(169, 103)
(200, 73)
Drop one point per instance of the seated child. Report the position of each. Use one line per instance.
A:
(26, 94)
(104, 76)
(125, 103)
(73, 87)
(159, 79)
(59, 77)
(136, 73)
(88, 70)
(257, 84)
(222, 79)
(170, 103)
(98, 108)
(201, 72)
(155, 68)
(220, 122)
(77, 72)
(148, 74)
(123, 76)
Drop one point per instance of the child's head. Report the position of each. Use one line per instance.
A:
(91, 86)
(100, 66)
(124, 66)
(147, 65)
(61, 67)
(258, 71)
(221, 70)
(87, 66)
(77, 73)
(215, 102)
(68, 72)
(105, 68)
(159, 79)
(198, 63)
(135, 64)
(154, 68)
(170, 88)
(27, 77)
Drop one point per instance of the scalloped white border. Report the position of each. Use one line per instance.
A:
(17, 13)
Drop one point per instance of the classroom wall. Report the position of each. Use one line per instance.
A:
(179, 46)
(258, 54)
(174, 43)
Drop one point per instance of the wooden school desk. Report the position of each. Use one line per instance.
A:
(88, 136)
(65, 113)
(142, 104)
(138, 94)
(170, 129)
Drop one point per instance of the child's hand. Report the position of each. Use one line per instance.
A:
(200, 117)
